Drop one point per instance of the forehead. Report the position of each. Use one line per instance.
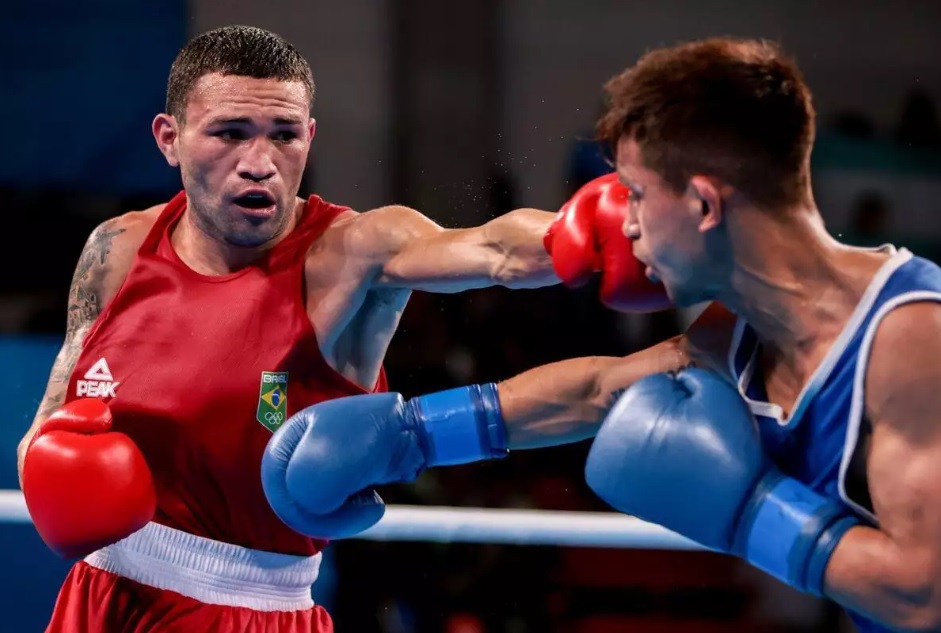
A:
(632, 169)
(235, 96)
(629, 161)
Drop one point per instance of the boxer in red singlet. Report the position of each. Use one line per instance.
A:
(195, 328)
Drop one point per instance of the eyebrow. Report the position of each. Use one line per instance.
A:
(629, 183)
(247, 121)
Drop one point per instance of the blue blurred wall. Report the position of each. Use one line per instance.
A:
(88, 79)
(31, 574)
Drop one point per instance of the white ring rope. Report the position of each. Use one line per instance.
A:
(482, 525)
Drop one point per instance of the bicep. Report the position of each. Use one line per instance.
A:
(97, 274)
(904, 480)
(903, 403)
(508, 250)
(82, 311)
(432, 258)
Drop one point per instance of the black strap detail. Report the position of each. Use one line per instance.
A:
(856, 482)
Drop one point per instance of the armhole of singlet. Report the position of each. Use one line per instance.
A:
(150, 241)
(855, 447)
(316, 224)
(313, 229)
(317, 227)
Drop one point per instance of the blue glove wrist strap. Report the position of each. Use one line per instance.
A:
(790, 531)
(459, 426)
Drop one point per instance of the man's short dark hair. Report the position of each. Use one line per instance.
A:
(736, 109)
(235, 50)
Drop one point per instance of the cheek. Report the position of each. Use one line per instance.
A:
(293, 160)
(203, 159)
(667, 239)
(654, 231)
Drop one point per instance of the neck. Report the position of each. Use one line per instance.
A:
(796, 285)
(208, 255)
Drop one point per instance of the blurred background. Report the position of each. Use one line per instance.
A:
(463, 110)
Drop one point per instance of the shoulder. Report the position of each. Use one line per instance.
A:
(906, 341)
(111, 247)
(903, 372)
(128, 230)
(377, 233)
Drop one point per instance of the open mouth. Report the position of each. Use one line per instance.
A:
(257, 206)
(255, 201)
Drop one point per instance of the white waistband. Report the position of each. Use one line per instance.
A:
(210, 571)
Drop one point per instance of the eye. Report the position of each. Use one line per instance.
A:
(285, 136)
(230, 134)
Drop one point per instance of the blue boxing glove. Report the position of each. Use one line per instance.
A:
(319, 468)
(683, 450)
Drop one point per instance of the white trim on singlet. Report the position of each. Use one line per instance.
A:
(859, 382)
(820, 375)
(210, 571)
(737, 333)
(757, 407)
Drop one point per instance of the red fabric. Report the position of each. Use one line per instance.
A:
(96, 601)
(184, 356)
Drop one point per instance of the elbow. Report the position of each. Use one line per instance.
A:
(917, 604)
(916, 619)
(916, 616)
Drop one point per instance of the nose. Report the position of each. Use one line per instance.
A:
(256, 163)
(630, 228)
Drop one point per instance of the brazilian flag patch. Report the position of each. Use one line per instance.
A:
(273, 399)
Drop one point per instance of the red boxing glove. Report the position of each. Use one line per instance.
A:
(587, 236)
(85, 485)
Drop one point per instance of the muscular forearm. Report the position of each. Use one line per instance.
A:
(566, 402)
(870, 574)
(521, 259)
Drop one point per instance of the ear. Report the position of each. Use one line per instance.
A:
(707, 198)
(311, 128)
(166, 133)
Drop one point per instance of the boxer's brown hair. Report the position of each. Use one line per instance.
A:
(735, 109)
(234, 50)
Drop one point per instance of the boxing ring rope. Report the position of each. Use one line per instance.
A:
(482, 525)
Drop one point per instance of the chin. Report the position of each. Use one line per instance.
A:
(684, 297)
(254, 235)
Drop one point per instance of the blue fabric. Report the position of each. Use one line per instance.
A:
(809, 446)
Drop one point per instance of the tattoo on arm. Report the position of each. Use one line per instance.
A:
(84, 308)
(50, 403)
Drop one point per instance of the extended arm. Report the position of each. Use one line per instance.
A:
(584, 238)
(566, 401)
(507, 251)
